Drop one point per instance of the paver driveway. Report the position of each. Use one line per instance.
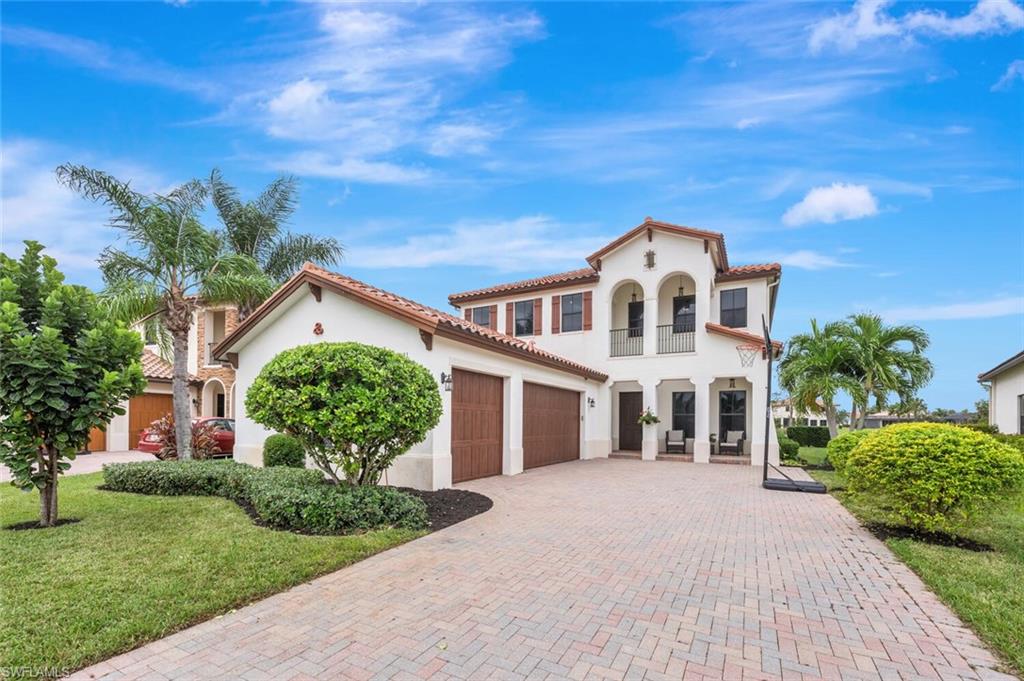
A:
(600, 569)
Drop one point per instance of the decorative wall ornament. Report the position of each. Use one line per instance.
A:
(318, 329)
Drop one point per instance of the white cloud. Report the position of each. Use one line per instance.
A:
(869, 20)
(449, 139)
(316, 164)
(521, 244)
(1015, 71)
(832, 204)
(997, 307)
(750, 122)
(803, 259)
(957, 130)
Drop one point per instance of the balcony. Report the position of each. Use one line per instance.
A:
(673, 338)
(627, 342)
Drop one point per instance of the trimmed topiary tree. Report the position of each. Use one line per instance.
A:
(283, 450)
(789, 449)
(934, 475)
(839, 447)
(354, 407)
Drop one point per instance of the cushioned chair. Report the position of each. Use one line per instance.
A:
(675, 441)
(732, 443)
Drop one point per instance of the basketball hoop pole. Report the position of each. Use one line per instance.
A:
(768, 397)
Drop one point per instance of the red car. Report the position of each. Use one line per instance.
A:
(223, 432)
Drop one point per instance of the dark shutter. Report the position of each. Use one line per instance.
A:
(556, 310)
(588, 310)
(469, 314)
(493, 314)
(538, 320)
(510, 319)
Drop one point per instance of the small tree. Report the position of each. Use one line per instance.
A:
(65, 369)
(354, 407)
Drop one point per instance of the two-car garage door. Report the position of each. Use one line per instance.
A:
(551, 425)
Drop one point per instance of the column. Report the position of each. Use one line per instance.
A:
(512, 462)
(702, 419)
(650, 324)
(441, 444)
(758, 405)
(649, 449)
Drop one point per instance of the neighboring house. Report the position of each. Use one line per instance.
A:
(1006, 394)
(554, 368)
(880, 419)
(785, 415)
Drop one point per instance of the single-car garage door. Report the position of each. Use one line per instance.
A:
(142, 411)
(551, 425)
(476, 425)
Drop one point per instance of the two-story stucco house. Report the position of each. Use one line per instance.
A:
(559, 367)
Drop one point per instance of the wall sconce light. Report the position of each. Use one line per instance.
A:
(682, 290)
(732, 382)
(446, 382)
(632, 296)
(591, 402)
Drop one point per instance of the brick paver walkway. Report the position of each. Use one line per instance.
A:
(600, 569)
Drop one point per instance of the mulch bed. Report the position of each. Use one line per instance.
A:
(34, 524)
(450, 506)
(884, 532)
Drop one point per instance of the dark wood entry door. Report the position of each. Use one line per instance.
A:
(477, 424)
(551, 425)
(631, 433)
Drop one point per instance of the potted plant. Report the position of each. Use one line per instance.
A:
(648, 418)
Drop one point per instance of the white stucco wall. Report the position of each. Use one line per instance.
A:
(428, 464)
(1003, 405)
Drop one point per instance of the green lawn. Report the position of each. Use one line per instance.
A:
(814, 455)
(140, 567)
(985, 589)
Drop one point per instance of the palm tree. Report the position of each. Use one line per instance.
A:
(884, 360)
(170, 263)
(255, 229)
(814, 371)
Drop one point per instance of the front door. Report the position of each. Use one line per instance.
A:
(631, 433)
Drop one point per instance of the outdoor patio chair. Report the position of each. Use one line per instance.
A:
(675, 441)
(732, 443)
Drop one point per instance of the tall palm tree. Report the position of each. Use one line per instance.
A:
(814, 371)
(169, 263)
(256, 229)
(884, 360)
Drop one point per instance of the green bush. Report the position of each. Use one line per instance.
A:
(809, 436)
(788, 449)
(933, 475)
(297, 499)
(982, 428)
(840, 447)
(283, 450)
(1015, 441)
(354, 407)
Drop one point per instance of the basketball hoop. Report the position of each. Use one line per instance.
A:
(747, 353)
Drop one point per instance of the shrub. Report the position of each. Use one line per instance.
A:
(204, 445)
(809, 436)
(935, 475)
(1015, 441)
(982, 428)
(840, 447)
(286, 498)
(788, 449)
(283, 450)
(354, 407)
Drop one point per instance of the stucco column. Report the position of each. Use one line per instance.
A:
(441, 445)
(758, 406)
(650, 324)
(512, 462)
(702, 419)
(649, 448)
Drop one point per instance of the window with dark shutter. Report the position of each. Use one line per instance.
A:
(734, 307)
(572, 312)
(482, 316)
(524, 318)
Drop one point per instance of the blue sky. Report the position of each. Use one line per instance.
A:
(874, 149)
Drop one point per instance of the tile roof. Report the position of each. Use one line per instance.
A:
(740, 334)
(156, 368)
(426, 318)
(749, 271)
(652, 224)
(584, 275)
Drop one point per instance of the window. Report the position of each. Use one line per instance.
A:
(524, 318)
(684, 314)
(636, 318)
(482, 316)
(683, 413)
(734, 307)
(1020, 414)
(732, 411)
(572, 312)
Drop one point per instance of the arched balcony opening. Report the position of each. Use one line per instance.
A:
(677, 314)
(627, 320)
(214, 398)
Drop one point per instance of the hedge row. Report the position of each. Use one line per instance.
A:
(295, 499)
(809, 436)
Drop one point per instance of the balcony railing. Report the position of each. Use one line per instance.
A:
(672, 338)
(627, 342)
(210, 345)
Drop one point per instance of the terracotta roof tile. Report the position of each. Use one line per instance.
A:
(584, 275)
(156, 368)
(749, 271)
(740, 334)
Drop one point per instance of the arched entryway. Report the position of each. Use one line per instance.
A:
(214, 398)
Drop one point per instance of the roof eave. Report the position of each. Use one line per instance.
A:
(457, 299)
(1001, 367)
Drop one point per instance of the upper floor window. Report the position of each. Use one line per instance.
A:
(734, 307)
(482, 316)
(684, 314)
(636, 318)
(524, 318)
(572, 312)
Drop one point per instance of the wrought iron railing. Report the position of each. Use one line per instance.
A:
(627, 342)
(672, 338)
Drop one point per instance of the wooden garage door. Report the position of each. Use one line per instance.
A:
(551, 425)
(143, 410)
(476, 425)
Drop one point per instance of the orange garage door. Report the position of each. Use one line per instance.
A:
(143, 410)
